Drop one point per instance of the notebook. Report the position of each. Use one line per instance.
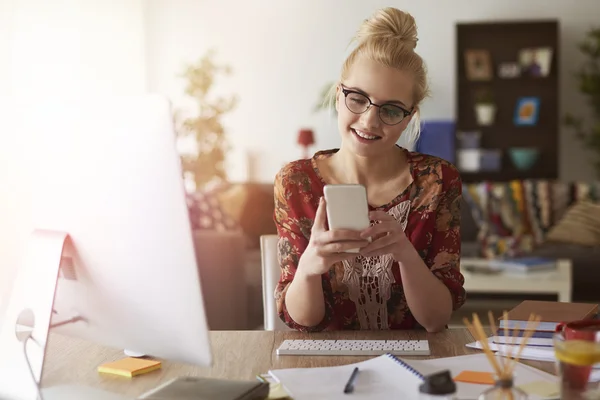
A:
(387, 376)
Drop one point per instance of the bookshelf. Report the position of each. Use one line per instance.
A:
(494, 62)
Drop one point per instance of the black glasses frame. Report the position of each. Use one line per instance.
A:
(348, 91)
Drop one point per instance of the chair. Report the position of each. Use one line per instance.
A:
(270, 277)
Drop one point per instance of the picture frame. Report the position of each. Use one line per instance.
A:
(478, 65)
(527, 111)
(536, 62)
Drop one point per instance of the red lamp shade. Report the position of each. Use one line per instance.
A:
(306, 137)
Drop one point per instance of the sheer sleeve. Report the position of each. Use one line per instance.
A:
(443, 257)
(295, 208)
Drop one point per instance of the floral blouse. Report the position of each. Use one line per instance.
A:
(367, 293)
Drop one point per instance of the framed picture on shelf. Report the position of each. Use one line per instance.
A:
(527, 111)
(536, 62)
(478, 65)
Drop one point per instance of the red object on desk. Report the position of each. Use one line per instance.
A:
(306, 138)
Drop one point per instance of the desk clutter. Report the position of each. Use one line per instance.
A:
(513, 328)
(497, 373)
(388, 376)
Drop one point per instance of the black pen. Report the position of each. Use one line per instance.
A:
(350, 385)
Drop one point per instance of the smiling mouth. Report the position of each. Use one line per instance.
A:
(366, 136)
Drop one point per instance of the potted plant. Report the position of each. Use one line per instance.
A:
(588, 78)
(485, 108)
(326, 102)
(206, 164)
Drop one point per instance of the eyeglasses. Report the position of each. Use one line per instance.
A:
(358, 103)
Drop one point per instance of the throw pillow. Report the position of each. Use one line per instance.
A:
(206, 213)
(579, 225)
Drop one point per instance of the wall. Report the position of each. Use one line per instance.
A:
(283, 52)
(53, 50)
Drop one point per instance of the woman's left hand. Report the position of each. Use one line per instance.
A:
(387, 237)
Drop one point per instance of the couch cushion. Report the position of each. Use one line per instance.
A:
(252, 205)
(580, 225)
(206, 213)
(586, 267)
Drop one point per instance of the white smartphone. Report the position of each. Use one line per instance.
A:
(347, 207)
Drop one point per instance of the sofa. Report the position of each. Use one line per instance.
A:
(228, 221)
(553, 219)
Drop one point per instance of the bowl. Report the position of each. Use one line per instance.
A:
(523, 158)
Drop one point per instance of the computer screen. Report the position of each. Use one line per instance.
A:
(96, 186)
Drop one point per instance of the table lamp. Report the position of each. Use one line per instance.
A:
(305, 139)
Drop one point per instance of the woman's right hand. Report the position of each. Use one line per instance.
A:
(327, 247)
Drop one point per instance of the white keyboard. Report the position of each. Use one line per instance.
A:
(353, 347)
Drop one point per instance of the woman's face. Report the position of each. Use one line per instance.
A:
(366, 134)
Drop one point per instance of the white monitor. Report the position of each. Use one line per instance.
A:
(103, 178)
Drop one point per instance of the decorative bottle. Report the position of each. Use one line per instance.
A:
(503, 390)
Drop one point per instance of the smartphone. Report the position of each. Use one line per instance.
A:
(347, 208)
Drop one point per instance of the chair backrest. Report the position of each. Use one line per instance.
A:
(271, 272)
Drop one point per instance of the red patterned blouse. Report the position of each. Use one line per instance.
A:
(429, 211)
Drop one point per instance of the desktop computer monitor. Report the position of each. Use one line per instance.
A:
(96, 187)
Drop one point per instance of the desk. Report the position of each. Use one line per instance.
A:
(237, 355)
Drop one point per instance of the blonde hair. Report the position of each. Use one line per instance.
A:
(390, 38)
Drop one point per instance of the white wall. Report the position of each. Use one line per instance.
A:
(283, 52)
(52, 50)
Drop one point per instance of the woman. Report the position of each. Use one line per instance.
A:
(408, 276)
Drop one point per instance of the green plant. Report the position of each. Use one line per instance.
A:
(325, 103)
(207, 164)
(588, 77)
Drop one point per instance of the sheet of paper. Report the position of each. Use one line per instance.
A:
(541, 388)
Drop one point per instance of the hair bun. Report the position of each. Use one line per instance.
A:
(390, 23)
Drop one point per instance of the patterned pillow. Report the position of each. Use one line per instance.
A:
(206, 213)
(579, 225)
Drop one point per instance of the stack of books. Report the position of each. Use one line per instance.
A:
(512, 328)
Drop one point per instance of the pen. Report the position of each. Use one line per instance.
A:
(350, 385)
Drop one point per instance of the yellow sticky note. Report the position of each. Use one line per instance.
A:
(541, 388)
(130, 367)
(482, 378)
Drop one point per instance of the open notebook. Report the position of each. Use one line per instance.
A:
(387, 376)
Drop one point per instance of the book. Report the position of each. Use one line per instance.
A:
(551, 312)
(524, 264)
(539, 338)
(198, 388)
(388, 376)
(130, 367)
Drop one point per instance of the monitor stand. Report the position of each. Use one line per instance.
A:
(31, 305)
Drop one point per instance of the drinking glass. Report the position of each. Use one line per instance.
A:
(575, 359)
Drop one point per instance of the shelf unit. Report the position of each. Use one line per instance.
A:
(503, 40)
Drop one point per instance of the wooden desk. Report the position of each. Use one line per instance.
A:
(236, 355)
